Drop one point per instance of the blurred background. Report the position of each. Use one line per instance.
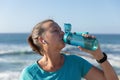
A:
(18, 17)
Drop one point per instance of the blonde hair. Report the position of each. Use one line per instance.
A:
(37, 31)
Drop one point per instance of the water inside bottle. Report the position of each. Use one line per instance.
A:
(91, 43)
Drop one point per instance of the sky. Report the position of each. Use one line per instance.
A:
(93, 16)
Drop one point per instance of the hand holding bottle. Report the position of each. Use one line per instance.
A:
(97, 54)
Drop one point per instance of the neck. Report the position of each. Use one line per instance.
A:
(52, 60)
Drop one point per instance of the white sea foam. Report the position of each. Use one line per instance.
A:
(4, 49)
(112, 47)
(9, 75)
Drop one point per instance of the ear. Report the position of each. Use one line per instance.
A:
(41, 40)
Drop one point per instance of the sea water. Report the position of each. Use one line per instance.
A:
(15, 53)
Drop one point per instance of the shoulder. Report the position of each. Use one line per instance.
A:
(29, 72)
(31, 68)
(74, 59)
(78, 63)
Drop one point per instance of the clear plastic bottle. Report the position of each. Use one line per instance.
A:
(77, 39)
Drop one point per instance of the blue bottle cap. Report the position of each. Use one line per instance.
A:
(67, 27)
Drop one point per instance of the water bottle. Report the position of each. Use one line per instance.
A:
(77, 39)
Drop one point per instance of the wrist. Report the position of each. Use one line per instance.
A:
(98, 56)
(103, 59)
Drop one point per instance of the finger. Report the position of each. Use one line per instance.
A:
(88, 36)
(93, 36)
(80, 48)
(85, 35)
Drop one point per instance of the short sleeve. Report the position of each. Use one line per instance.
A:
(25, 75)
(82, 65)
(86, 66)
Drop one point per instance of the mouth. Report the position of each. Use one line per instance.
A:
(61, 38)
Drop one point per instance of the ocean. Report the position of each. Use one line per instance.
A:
(15, 53)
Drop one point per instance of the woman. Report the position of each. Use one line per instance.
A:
(46, 39)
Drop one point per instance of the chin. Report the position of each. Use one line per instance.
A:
(62, 45)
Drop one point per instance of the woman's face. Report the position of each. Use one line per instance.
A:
(53, 35)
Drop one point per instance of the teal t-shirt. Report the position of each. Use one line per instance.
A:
(74, 68)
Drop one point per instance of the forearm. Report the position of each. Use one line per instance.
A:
(109, 72)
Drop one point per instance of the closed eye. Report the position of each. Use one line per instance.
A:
(56, 31)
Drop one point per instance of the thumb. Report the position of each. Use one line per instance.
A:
(84, 50)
